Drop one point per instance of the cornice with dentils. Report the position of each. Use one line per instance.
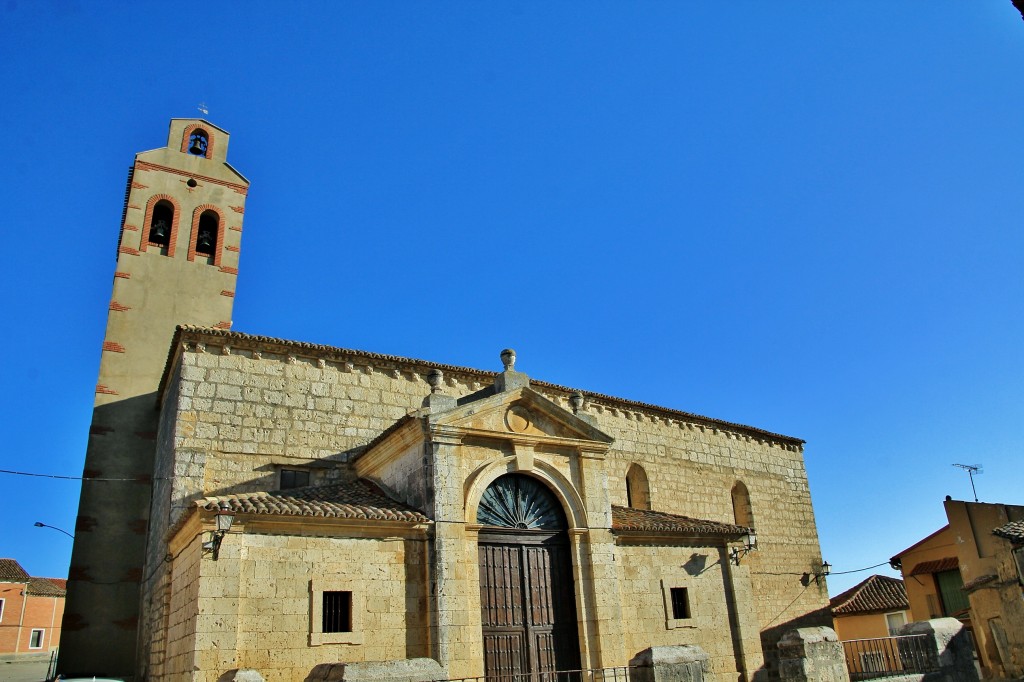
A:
(193, 334)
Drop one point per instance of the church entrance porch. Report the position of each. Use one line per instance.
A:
(527, 592)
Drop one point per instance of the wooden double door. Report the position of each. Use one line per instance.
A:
(528, 604)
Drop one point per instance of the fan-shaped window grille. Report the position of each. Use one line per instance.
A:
(516, 501)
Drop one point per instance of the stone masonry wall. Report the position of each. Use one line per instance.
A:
(274, 601)
(254, 410)
(648, 572)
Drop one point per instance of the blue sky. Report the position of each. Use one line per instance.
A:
(800, 216)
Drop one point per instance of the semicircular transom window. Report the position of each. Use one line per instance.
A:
(517, 501)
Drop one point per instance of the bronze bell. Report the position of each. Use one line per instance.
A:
(198, 146)
(158, 233)
(204, 242)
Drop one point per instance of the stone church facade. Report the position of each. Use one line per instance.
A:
(385, 508)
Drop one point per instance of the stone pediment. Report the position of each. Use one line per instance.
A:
(520, 415)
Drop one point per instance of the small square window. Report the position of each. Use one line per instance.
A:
(335, 612)
(35, 640)
(337, 615)
(294, 478)
(680, 603)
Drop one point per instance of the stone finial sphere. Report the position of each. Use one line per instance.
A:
(508, 359)
(434, 379)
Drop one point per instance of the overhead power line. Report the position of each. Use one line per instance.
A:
(74, 478)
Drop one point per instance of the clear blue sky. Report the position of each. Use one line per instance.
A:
(801, 216)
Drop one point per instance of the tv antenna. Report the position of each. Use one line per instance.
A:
(203, 108)
(972, 469)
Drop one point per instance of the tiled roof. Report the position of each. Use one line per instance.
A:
(630, 519)
(320, 350)
(11, 571)
(349, 500)
(1012, 531)
(62, 583)
(877, 593)
(936, 566)
(44, 587)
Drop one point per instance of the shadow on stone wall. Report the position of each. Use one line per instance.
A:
(770, 638)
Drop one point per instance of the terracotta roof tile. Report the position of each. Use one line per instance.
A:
(630, 519)
(350, 500)
(1012, 531)
(44, 587)
(936, 566)
(11, 571)
(876, 593)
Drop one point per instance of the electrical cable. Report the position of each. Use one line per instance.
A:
(77, 478)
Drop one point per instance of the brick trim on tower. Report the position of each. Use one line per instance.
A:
(195, 232)
(188, 133)
(173, 238)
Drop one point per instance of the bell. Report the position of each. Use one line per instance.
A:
(204, 242)
(158, 233)
(198, 146)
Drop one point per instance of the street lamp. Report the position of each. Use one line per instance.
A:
(40, 524)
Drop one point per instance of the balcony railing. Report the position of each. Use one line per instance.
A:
(890, 656)
(621, 674)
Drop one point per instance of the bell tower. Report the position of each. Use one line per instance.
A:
(177, 263)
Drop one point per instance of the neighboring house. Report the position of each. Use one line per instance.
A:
(971, 569)
(385, 508)
(931, 576)
(875, 607)
(31, 610)
(988, 539)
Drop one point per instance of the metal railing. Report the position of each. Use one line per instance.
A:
(890, 656)
(620, 674)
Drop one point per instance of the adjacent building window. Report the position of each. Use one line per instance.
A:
(894, 621)
(294, 478)
(35, 640)
(1, 610)
(680, 603)
(337, 612)
(951, 591)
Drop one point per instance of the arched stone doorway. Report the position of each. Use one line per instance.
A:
(527, 594)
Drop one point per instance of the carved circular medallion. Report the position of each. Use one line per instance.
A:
(518, 418)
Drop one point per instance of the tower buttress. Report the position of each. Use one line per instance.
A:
(177, 263)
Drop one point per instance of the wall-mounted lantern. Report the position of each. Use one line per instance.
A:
(224, 519)
(749, 545)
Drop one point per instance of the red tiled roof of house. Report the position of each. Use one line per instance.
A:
(630, 519)
(936, 566)
(1012, 531)
(11, 571)
(877, 593)
(349, 500)
(44, 587)
(62, 583)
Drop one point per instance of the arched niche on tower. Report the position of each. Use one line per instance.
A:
(742, 510)
(638, 488)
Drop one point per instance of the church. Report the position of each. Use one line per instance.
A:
(260, 503)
